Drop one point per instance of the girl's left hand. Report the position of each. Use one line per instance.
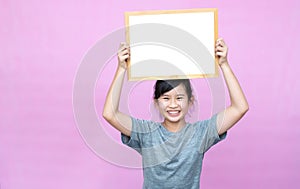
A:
(221, 51)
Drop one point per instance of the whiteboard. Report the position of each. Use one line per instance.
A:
(173, 44)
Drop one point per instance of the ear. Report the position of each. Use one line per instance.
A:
(191, 101)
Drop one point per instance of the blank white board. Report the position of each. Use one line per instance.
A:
(173, 44)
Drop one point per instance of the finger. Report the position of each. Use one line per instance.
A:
(123, 46)
(221, 54)
(123, 58)
(126, 56)
(125, 51)
(220, 39)
(221, 42)
(218, 44)
(221, 49)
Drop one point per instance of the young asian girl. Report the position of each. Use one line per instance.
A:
(172, 151)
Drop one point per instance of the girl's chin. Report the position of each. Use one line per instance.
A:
(173, 119)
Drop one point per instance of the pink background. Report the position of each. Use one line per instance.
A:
(42, 44)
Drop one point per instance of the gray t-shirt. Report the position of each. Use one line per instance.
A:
(172, 160)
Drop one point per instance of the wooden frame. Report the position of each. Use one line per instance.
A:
(166, 57)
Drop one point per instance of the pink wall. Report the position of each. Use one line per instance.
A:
(42, 45)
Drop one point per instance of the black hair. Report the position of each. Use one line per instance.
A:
(163, 86)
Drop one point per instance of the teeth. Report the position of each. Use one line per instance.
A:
(173, 112)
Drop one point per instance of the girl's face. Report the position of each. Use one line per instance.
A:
(174, 104)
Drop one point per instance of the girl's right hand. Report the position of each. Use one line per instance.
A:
(123, 55)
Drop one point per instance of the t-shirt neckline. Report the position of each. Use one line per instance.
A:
(165, 130)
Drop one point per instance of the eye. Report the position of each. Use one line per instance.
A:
(166, 98)
(179, 98)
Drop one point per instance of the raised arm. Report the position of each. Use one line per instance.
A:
(111, 113)
(239, 105)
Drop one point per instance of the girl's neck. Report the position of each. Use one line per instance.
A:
(174, 126)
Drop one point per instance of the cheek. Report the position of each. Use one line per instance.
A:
(162, 105)
(184, 105)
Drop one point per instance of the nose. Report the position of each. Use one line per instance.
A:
(173, 103)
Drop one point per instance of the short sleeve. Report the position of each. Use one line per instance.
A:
(210, 134)
(139, 129)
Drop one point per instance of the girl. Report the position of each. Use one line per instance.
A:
(172, 151)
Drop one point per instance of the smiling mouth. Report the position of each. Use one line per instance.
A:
(173, 113)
